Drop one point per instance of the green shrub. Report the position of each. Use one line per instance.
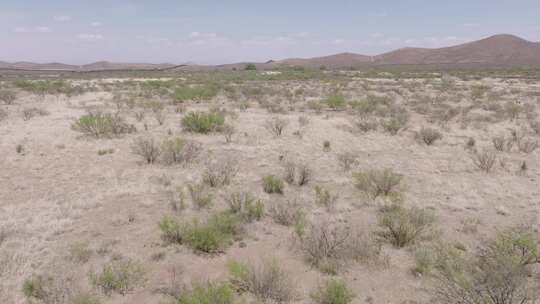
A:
(269, 281)
(323, 197)
(203, 122)
(195, 93)
(171, 231)
(250, 67)
(246, 205)
(147, 148)
(200, 197)
(336, 102)
(80, 252)
(332, 291)
(209, 293)
(428, 136)
(378, 182)
(120, 276)
(405, 225)
(424, 259)
(215, 234)
(99, 125)
(273, 184)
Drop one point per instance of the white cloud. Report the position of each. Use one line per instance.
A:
(96, 24)
(35, 29)
(202, 35)
(89, 37)
(62, 18)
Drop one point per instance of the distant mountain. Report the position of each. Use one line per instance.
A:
(495, 50)
(498, 50)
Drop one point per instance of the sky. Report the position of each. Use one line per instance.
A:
(226, 31)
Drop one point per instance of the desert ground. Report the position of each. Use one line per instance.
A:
(267, 186)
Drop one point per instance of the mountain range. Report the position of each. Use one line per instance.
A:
(498, 50)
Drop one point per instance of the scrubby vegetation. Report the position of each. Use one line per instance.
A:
(203, 122)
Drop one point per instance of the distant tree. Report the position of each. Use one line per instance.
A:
(250, 67)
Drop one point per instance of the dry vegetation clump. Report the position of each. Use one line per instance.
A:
(228, 132)
(332, 291)
(323, 197)
(297, 173)
(203, 122)
(47, 289)
(3, 114)
(8, 97)
(347, 160)
(246, 205)
(428, 136)
(200, 196)
(220, 172)
(484, 160)
(268, 280)
(501, 272)
(100, 125)
(378, 182)
(403, 226)
(335, 102)
(287, 213)
(147, 148)
(29, 113)
(396, 122)
(273, 184)
(120, 276)
(501, 143)
(276, 125)
(366, 124)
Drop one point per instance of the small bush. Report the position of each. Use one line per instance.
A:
(8, 97)
(209, 293)
(347, 160)
(120, 276)
(396, 122)
(366, 124)
(268, 281)
(378, 182)
(171, 231)
(428, 136)
(80, 252)
(45, 289)
(195, 93)
(29, 113)
(336, 102)
(276, 125)
(403, 225)
(273, 184)
(424, 259)
(287, 213)
(147, 148)
(215, 234)
(220, 172)
(99, 125)
(84, 298)
(500, 143)
(246, 205)
(323, 197)
(200, 197)
(332, 291)
(484, 160)
(527, 145)
(298, 173)
(172, 150)
(228, 132)
(203, 122)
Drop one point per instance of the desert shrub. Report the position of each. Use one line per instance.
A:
(378, 182)
(273, 184)
(158, 109)
(46, 289)
(84, 298)
(527, 145)
(500, 272)
(298, 173)
(287, 213)
(203, 122)
(246, 205)
(396, 122)
(336, 102)
(424, 259)
(215, 234)
(171, 150)
(323, 197)
(171, 231)
(276, 125)
(366, 124)
(513, 109)
(332, 291)
(8, 97)
(147, 148)
(403, 226)
(269, 281)
(326, 145)
(534, 124)
(484, 160)
(220, 172)
(347, 160)
(209, 293)
(228, 132)
(29, 113)
(250, 67)
(303, 121)
(102, 152)
(120, 276)
(195, 93)
(80, 252)
(500, 143)
(428, 136)
(200, 196)
(99, 125)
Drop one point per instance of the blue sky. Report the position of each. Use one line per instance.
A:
(210, 32)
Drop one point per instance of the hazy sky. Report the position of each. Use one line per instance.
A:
(83, 31)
